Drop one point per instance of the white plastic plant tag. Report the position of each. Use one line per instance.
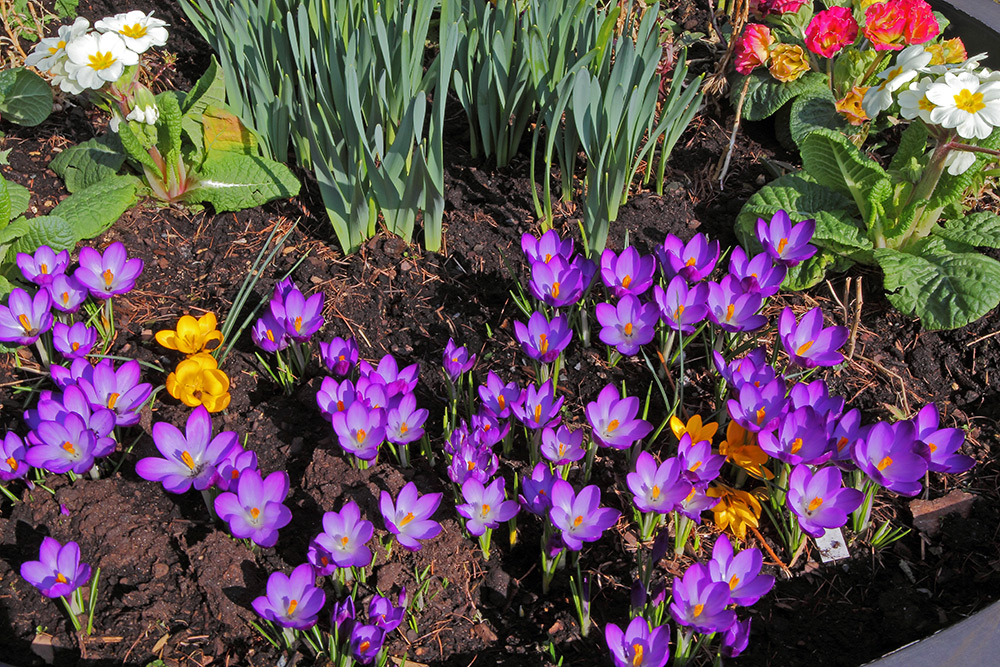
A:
(832, 545)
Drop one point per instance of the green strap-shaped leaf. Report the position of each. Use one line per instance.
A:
(169, 127)
(83, 165)
(92, 210)
(980, 230)
(832, 160)
(941, 282)
(25, 97)
(765, 94)
(4, 203)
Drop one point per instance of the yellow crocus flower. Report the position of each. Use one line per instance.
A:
(192, 336)
(198, 381)
(740, 447)
(735, 510)
(694, 427)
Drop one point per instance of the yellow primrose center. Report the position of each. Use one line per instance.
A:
(98, 61)
(925, 104)
(406, 519)
(292, 604)
(186, 458)
(254, 512)
(884, 463)
(969, 101)
(135, 31)
(637, 657)
(814, 504)
(60, 45)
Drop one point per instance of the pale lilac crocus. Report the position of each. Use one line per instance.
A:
(736, 639)
(557, 282)
(694, 260)
(816, 394)
(628, 325)
(457, 360)
(409, 516)
(404, 423)
(75, 341)
(741, 572)
(733, 308)
(485, 506)
(234, 464)
(681, 308)
(889, 456)
(546, 247)
(268, 333)
(339, 355)
(941, 444)
(360, 430)
(801, 437)
(346, 535)
(752, 369)
(542, 340)
(700, 602)
(628, 273)
(579, 516)
(562, 446)
(67, 293)
(843, 432)
(818, 500)
(256, 511)
(43, 265)
(487, 430)
(12, 453)
(498, 397)
(63, 446)
(53, 407)
(536, 491)
(540, 407)
(472, 461)
(188, 459)
(808, 343)
(657, 488)
(291, 601)
(58, 571)
(613, 419)
(759, 409)
(396, 380)
(784, 242)
(638, 646)
(25, 318)
(108, 274)
(757, 274)
(118, 390)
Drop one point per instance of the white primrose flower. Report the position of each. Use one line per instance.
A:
(52, 50)
(139, 30)
(913, 102)
(147, 115)
(96, 59)
(969, 65)
(62, 80)
(909, 64)
(967, 104)
(958, 162)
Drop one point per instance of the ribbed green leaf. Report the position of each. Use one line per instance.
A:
(233, 182)
(25, 97)
(82, 165)
(92, 210)
(831, 159)
(765, 94)
(980, 230)
(812, 110)
(47, 230)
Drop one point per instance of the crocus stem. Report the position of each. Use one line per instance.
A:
(650, 522)
(209, 497)
(484, 543)
(43, 354)
(682, 529)
(109, 323)
(74, 609)
(13, 498)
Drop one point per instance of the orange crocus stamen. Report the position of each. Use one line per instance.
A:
(555, 290)
(626, 281)
(802, 349)
(730, 311)
(292, 604)
(68, 446)
(361, 435)
(25, 324)
(60, 578)
(781, 245)
(637, 655)
(108, 277)
(698, 608)
(577, 521)
(112, 399)
(613, 425)
(543, 343)
(628, 329)
(884, 463)
(815, 503)
(254, 513)
(12, 464)
(406, 519)
(734, 582)
(186, 458)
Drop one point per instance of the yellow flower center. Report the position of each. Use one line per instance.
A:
(555, 290)
(75, 346)
(969, 101)
(655, 493)
(65, 298)
(403, 428)
(292, 604)
(815, 503)
(538, 413)
(884, 463)
(365, 645)
(471, 465)
(932, 447)
(628, 329)
(698, 608)
(734, 582)
(486, 509)
(695, 466)
(43, 269)
(502, 402)
(760, 416)
(298, 323)
(25, 324)
(577, 521)
(730, 311)
(925, 104)
(543, 343)
(269, 334)
(12, 464)
(254, 512)
(344, 540)
(679, 312)
(802, 349)
(637, 652)
(781, 245)
(406, 519)
(112, 399)
(626, 281)
(68, 446)
(186, 458)
(613, 425)
(60, 45)
(841, 443)
(98, 61)
(60, 578)
(690, 262)
(361, 435)
(108, 277)
(136, 31)
(796, 445)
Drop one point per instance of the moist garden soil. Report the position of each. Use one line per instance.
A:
(176, 587)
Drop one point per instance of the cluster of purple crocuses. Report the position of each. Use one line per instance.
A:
(285, 328)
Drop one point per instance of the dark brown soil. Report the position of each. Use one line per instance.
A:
(175, 586)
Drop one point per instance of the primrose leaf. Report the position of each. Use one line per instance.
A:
(765, 94)
(223, 132)
(92, 210)
(980, 229)
(952, 189)
(83, 165)
(941, 282)
(25, 97)
(231, 182)
(20, 197)
(831, 159)
(137, 146)
(169, 126)
(810, 272)
(48, 230)
(814, 109)
(4, 203)
(5, 289)
(912, 145)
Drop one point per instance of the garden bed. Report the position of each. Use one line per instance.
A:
(176, 587)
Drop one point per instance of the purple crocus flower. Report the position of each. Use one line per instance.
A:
(385, 614)
(543, 340)
(800, 438)
(334, 397)
(579, 516)
(843, 432)
(557, 282)
(457, 360)
(12, 453)
(657, 488)
(366, 642)
(697, 462)
(63, 446)
(345, 536)
(816, 394)
(819, 500)
(613, 419)
(339, 355)
(540, 407)
(24, 318)
(268, 333)
(681, 308)
(470, 461)
(759, 409)
(300, 317)
(41, 267)
(736, 639)
(498, 397)
(291, 601)
(889, 456)
(758, 274)
(58, 571)
(256, 511)
(536, 491)
(740, 572)
(189, 459)
(697, 502)
(108, 274)
(234, 464)
(67, 293)
(54, 407)
(360, 430)
(808, 343)
(562, 446)
(117, 390)
(695, 260)
(700, 602)
(786, 243)
(638, 646)
(628, 273)
(545, 248)
(629, 325)
(733, 308)
(942, 444)
(485, 506)
(73, 341)
(487, 430)
(396, 380)
(405, 422)
(409, 517)
(752, 369)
